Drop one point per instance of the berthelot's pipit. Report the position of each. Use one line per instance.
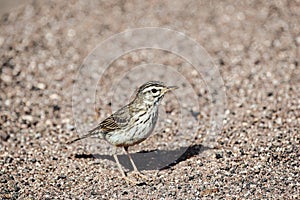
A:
(134, 122)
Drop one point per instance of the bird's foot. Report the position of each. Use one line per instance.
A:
(139, 174)
(130, 180)
(136, 178)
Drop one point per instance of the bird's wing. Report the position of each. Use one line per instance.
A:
(116, 121)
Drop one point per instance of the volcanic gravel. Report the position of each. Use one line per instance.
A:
(255, 45)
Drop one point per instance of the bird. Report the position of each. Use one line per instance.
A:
(133, 123)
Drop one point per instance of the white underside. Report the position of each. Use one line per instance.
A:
(135, 134)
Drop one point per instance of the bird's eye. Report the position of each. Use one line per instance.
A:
(154, 90)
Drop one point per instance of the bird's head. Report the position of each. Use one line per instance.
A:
(153, 91)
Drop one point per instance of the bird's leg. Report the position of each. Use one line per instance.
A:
(121, 169)
(118, 163)
(133, 164)
(131, 160)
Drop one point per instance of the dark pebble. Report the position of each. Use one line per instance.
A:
(17, 188)
(62, 176)
(94, 192)
(219, 155)
(8, 160)
(56, 108)
(4, 136)
(3, 180)
(141, 184)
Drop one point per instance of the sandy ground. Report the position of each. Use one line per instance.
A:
(256, 47)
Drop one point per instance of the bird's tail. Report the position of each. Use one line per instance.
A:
(92, 133)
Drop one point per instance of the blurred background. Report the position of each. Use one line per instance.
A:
(6, 5)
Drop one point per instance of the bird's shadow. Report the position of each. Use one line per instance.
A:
(155, 159)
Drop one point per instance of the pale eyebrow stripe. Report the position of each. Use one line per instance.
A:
(152, 87)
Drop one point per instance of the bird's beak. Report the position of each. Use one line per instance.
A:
(170, 88)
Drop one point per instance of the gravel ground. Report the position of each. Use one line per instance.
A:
(256, 47)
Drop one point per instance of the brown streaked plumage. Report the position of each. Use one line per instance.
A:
(134, 122)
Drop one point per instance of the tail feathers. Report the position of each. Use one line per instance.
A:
(91, 133)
